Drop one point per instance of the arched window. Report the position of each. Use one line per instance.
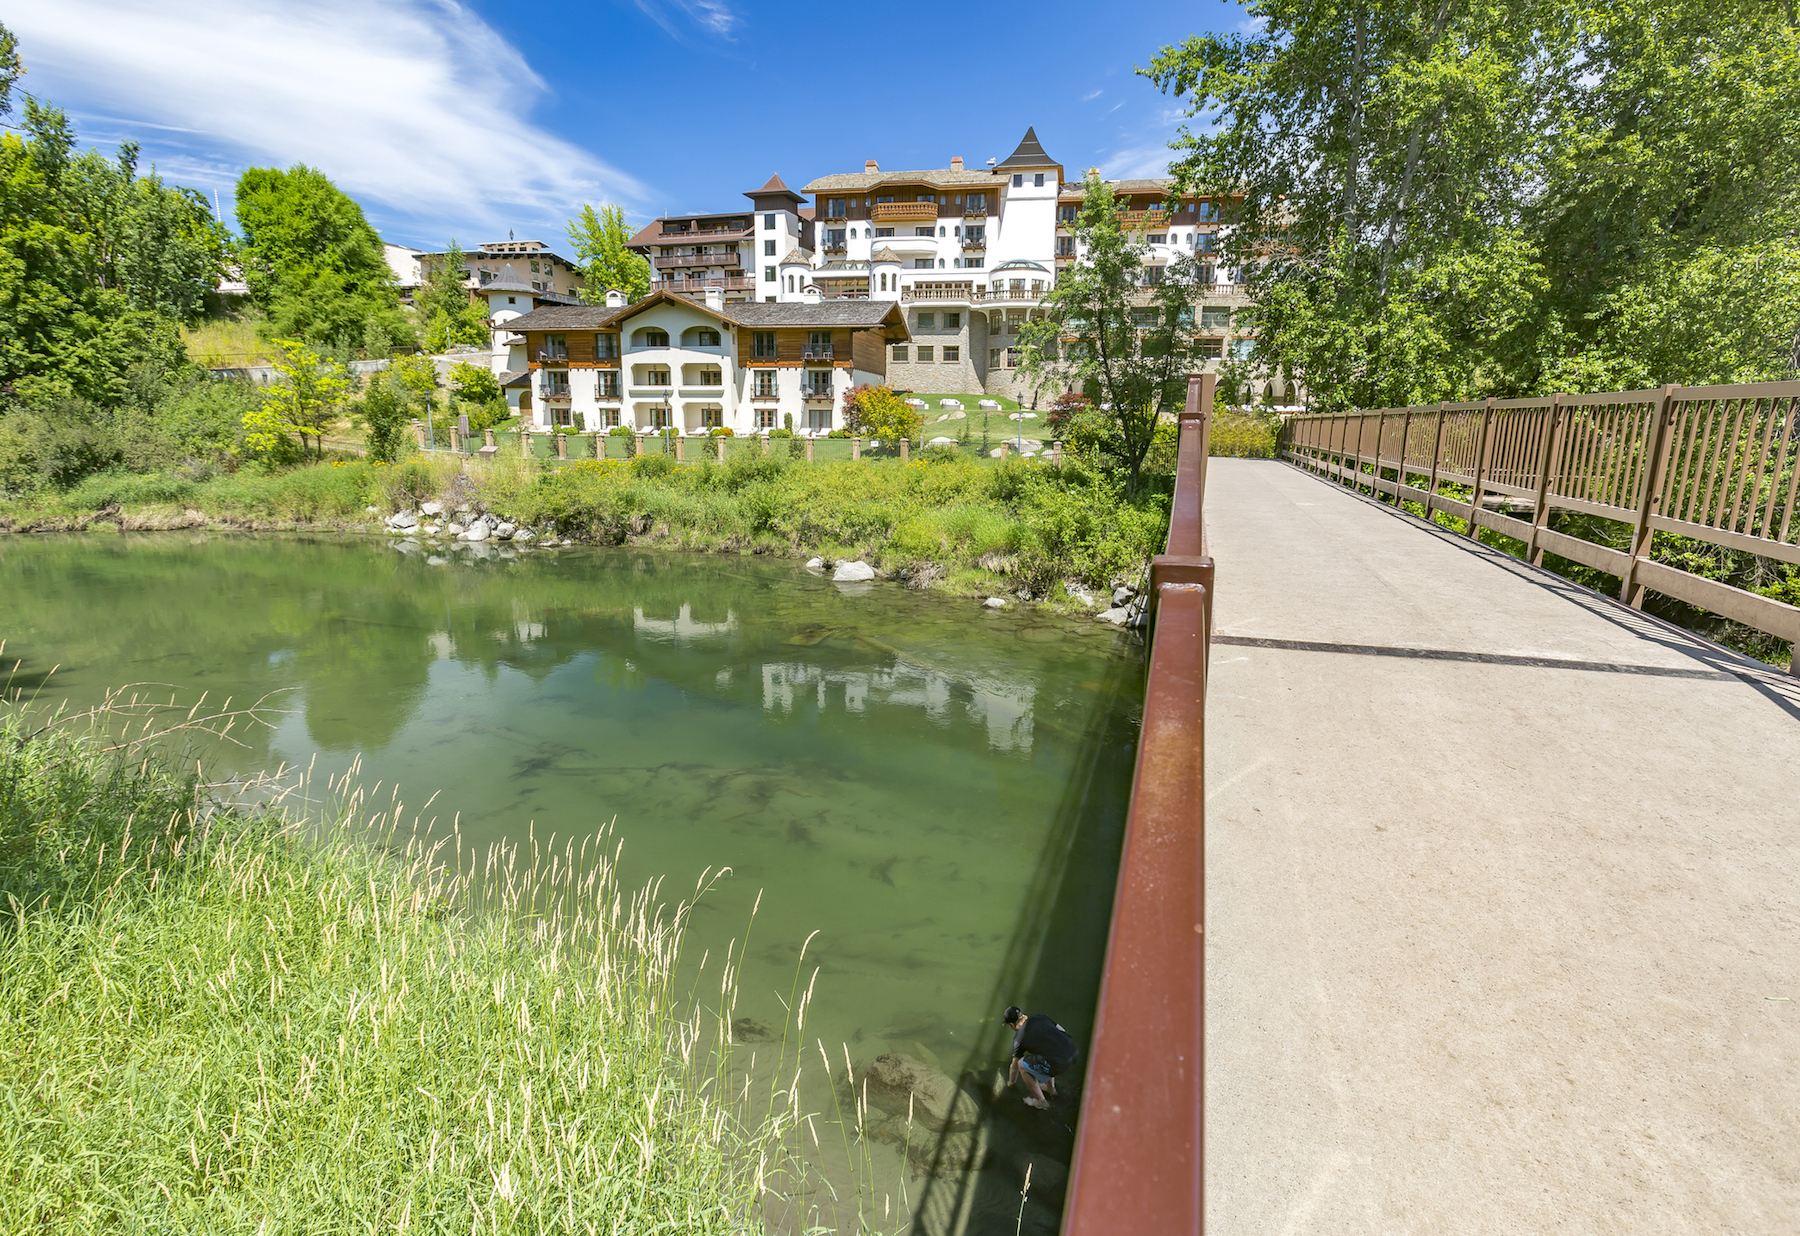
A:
(940, 231)
(852, 233)
(790, 282)
(651, 337)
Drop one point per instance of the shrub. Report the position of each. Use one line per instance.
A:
(652, 466)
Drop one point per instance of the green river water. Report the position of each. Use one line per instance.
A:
(937, 789)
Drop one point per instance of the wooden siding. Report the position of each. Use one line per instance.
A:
(868, 348)
(790, 348)
(581, 349)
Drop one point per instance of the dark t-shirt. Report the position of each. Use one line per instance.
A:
(1043, 1037)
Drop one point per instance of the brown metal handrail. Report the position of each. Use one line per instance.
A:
(1718, 464)
(1139, 1153)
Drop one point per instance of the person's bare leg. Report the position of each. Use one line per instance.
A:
(1037, 1091)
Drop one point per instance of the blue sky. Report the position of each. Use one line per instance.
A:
(478, 119)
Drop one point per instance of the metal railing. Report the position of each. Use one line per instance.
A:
(705, 231)
(1139, 1161)
(816, 351)
(550, 355)
(972, 294)
(1717, 464)
(728, 256)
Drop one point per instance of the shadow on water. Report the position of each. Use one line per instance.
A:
(975, 1183)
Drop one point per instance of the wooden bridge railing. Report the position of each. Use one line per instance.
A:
(1718, 464)
(1138, 1157)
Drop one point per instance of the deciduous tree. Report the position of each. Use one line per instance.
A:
(606, 264)
(306, 400)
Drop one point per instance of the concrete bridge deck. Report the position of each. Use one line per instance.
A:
(1503, 892)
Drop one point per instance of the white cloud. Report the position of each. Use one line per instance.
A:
(712, 16)
(1091, 95)
(1137, 162)
(417, 105)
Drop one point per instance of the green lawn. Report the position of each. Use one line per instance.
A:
(998, 425)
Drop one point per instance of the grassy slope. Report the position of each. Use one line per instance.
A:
(212, 1020)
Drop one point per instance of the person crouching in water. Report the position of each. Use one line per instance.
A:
(1041, 1050)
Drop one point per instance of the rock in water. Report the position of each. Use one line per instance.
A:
(853, 573)
(1118, 615)
(750, 1030)
(897, 1084)
(525, 534)
(504, 531)
(995, 602)
(476, 532)
(405, 519)
(815, 564)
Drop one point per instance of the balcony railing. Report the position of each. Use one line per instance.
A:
(702, 392)
(705, 231)
(725, 282)
(729, 257)
(1143, 218)
(816, 351)
(974, 212)
(548, 355)
(815, 392)
(972, 295)
(974, 242)
(650, 392)
(904, 212)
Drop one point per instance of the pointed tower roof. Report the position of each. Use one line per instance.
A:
(1029, 154)
(772, 194)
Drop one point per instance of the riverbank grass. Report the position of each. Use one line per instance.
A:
(223, 1018)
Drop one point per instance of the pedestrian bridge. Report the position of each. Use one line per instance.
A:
(1499, 922)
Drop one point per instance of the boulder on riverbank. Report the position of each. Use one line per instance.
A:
(901, 1086)
(853, 573)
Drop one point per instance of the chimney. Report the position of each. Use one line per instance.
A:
(809, 295)
(871, 166)
(615, 299)
(715, 299)
(956, 163)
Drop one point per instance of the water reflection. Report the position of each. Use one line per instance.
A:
(934, 787)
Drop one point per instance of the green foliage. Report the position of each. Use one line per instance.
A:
(1128, 353)
(313, 263)
(449, 315)
(384, 413)
(652, 466)
(1451, 202)
(877, 412)
(166, 953)
(10, 68)
(307, 400)
(1244, 433)
(606, 264)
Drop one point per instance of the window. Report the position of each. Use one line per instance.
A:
(609, 419)
(762, 345)
(1157, 238)
(768, 274)
(925, 354)
(700, 337)
(1215, 317)
(834, 208)
(1206, 243)
(1144, 319)
(818, 419)
(975, 234)
(710, 376)
(763, 384)
(900, 353)
(768, 248)
(884, 286)
(978, 201)
(952, 355)
(817, 384)
(1017, 285)
(1209, 212)
(790, 283)
(1067, 214)
(1012, 358)
(1065, 246)
(940, 263)
(651, 338)
(924, 231)
(927, 321)
(609, 384)
(1154, 274)
(953, 321)
(940, 231)
(656, 377)
(1038, 180)
(512, 300)
(556, 383)
(768, 223)
(711, 418)
(1212, 347)
(556, 347)
(536, 286)
(534, 268)
(834, 238)
(973, 263)
(606, 347)
(659, 418)
(883, 231)
(880, 201)
(765, 418)
(1208, 275)
(921, 264)
(1241, 348)
(1018, 180)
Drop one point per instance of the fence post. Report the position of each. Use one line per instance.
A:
(1400, 472)
(903, 456)
(678, 446)
(1481, 463)
(487, 437)
(1655, 466)
(1437, 449)
(856, 448)
(1380, 433)
(1550, 458)
(525, 441)
(1362, 424)
(809, 450)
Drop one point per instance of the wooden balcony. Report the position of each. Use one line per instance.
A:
(676, 233)
(694, 287)
(904, 212)
(728, 258)
(1137, 219)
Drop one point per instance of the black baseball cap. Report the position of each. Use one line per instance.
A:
(1012, 1014)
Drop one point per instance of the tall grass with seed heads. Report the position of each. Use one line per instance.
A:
(248, 1013)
